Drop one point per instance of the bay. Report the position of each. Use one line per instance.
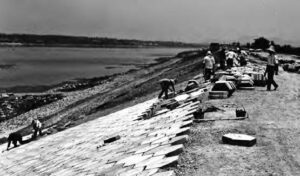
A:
(51, 65)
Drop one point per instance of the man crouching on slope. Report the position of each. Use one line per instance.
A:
(14, 138)
(166, 84)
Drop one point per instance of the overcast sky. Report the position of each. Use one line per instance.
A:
(181, 20)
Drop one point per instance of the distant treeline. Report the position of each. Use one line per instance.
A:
(263, 43)
(62, 40)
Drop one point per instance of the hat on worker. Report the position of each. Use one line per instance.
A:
(271, 49)
(209, 53)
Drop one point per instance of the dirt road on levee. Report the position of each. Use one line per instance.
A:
(275, 122)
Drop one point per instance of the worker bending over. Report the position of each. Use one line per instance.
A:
(14, 138)
(166, 84)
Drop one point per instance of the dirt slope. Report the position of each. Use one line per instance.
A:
(121, 92)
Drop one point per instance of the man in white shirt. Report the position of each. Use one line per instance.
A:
(230, 56)
(37, 127)
(209, 63)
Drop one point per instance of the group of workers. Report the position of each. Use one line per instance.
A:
(16, 137)
(169, 84)
(232, 58)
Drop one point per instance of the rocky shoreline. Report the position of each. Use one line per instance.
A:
(13, 105)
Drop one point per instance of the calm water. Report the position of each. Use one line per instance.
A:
(44, 66)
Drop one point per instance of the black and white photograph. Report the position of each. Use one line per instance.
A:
(149, 88)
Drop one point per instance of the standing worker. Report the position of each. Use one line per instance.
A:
(166, 84)
(242, 55)
(37, 127)
(271, 69)
(209, 64)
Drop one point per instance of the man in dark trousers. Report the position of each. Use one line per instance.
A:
(271, 69)
(166, 84)
(14, 138)
(37, 127)
(209, 66)
(242, 55)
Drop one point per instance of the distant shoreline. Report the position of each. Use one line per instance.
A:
(84, 41)
(6, 66)
(92, 46)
